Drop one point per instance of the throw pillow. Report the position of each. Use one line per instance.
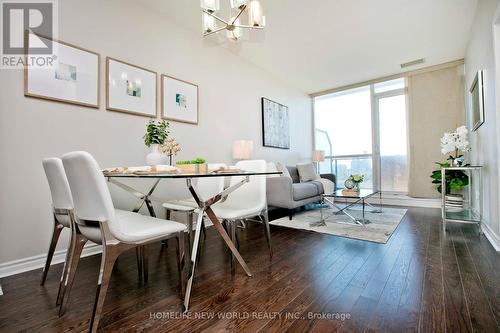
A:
(306, 172)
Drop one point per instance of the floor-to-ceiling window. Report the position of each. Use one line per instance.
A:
(363, 131)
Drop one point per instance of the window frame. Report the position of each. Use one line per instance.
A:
(375, 125)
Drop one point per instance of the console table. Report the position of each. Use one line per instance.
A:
(472, 210)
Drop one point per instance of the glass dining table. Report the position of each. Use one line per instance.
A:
(147, 198)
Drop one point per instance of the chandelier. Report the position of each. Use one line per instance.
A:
(212, 23)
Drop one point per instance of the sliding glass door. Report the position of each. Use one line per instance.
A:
(346, 119)
(363, 131)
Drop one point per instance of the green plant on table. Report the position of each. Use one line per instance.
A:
(156, 133)
(198, 160)
(455, 179)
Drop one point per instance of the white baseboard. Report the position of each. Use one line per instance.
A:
(38, 261)
(491, 236)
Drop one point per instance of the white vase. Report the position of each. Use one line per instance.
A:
(155, 157)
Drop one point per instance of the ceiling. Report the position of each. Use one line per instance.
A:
(316, 45)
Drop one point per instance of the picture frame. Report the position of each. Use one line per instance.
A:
(73, 79)
(179, 100)
(275, 124)
(130, 89)
(476, 92)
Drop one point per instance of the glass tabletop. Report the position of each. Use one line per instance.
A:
(363, 193)
(187, 175)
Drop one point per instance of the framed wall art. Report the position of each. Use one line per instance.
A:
(73, 77)
(275, 124)
(130, 89)
(477, 101)
(179, 100)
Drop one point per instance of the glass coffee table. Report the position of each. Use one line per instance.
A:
(350, 201)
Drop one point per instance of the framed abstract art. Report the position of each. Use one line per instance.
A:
(73, 76)
(275, 125)
(179, 100)
(130, 89)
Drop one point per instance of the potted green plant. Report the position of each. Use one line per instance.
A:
(197, 165)
(156, 135)
(454, 145)
(356, 180)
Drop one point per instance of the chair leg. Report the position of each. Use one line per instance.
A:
(180, 250)
(139, 257)
(67, 263)
(232, 228)
(55, 237)
(203, 229)
(80, 242)
(190, 219)
(145, 265)
(267, 231)
(290, 214)
(64, 273)
(109, 254)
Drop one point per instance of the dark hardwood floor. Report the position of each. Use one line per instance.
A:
(420, 281)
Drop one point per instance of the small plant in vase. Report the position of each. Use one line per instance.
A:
(170, 148)
(197, 165)
(353, 182)
(156, 135)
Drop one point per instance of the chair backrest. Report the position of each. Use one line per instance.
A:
(252, 194)
(209, 186)
(90, 192)
(58, 183)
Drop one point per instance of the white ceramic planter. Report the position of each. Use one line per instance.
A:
(155, 157)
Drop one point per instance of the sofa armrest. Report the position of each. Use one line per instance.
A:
(329, 176)
(279, 192)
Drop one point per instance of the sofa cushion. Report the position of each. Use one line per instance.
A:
(306, 172)
(318, 184)
(294, 173)
(303, 191)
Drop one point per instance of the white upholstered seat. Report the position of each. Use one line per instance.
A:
(247, 201)
(119, 231)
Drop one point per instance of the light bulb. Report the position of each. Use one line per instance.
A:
(208, 23)
(255, 14)
(210, 5)
(238, 3)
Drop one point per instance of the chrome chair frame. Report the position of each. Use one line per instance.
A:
(56, 233)
(232, 225)
(111, 249)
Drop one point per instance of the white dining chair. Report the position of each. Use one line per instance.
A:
(62, 205)
(206, 187)
(246, 202)
(116, 232)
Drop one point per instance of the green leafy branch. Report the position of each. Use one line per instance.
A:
(156, 133)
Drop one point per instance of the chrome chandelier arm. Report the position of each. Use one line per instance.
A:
(214, 31)
(215, 16)
(249, 26)
(242, 9)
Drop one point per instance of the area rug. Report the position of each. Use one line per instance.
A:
(379, 230)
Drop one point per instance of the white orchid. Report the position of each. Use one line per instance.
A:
(456, 142)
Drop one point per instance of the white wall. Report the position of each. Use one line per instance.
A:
(31, 129)
(480, 55)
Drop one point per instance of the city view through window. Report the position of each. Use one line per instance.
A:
(363, 131)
